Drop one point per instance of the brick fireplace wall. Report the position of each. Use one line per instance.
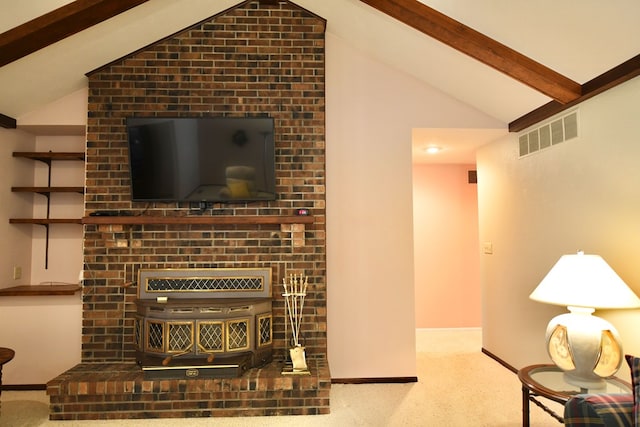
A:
(260, 58)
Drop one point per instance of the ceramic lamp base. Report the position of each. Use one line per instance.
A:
(587, 348)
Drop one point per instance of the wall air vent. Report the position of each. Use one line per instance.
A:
(556, 131)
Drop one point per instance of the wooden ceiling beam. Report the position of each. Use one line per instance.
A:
(605, 81)
(58, 24)
(486, 50)
(7, 122)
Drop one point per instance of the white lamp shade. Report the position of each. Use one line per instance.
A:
(581, 280)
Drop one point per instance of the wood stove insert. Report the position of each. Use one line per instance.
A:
(211, 323)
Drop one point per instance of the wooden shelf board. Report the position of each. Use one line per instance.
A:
(47, 156)
(38, 290)
(226, 219)
(45, 221)
(48, 189)
(55, 130)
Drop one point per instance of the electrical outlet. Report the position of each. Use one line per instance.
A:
(17, 272)
(487, 248)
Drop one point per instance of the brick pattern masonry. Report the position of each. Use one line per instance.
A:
(260, 58)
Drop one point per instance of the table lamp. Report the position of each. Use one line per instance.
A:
(587, 348)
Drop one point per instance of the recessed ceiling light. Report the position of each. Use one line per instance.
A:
(432, 149)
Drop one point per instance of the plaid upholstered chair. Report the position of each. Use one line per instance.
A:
(610, 410)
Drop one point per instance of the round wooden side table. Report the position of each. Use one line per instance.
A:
(548, 381)
(6, 354)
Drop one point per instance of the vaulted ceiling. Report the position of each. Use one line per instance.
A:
(516, 60)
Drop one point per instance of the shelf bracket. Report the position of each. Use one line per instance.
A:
(46, 226)
(46, 245)
(47, 161)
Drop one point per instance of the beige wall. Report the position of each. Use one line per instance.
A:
(371, 110)
(44, 331)
(583, 194)
(15, 245)
(447, 260)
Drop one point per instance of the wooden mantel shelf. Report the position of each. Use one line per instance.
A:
(222, 219)
(40, 290)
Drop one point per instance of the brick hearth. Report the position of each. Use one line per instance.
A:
(119, 391)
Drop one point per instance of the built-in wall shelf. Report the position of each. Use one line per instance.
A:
(48, 190)
(40, 290)
(221, 220)
(45, 221)
(48, 156)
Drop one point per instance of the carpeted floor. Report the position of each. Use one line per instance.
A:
(458, 386)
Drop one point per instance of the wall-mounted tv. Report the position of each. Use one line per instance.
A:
(206, 159)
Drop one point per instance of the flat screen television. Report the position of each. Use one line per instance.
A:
(207, 159)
